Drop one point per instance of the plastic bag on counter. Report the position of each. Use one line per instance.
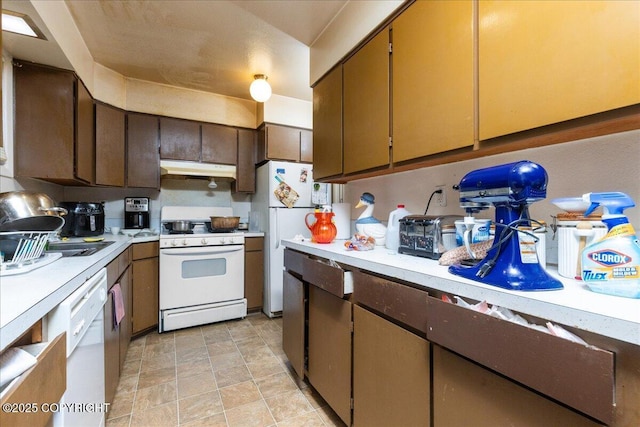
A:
(360, 242)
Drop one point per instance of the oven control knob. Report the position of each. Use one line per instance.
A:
(231, 240)
(174, 243)
(223, 241)
(184, 242)
(204, 241)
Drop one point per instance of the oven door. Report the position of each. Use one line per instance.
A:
(201, 275)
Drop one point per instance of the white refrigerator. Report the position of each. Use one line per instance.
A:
(285, 193)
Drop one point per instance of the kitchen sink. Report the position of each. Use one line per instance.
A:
(77, 248)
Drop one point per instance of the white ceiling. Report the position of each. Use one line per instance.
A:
(209, 45)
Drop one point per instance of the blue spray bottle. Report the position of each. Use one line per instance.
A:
(611, 265)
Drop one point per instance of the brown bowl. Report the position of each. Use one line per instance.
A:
(225, 222)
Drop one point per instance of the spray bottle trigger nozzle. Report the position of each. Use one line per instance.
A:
(592, 208)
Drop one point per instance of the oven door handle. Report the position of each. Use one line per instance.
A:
(213, 250)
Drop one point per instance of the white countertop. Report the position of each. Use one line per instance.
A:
(575, 305)
(26, 298)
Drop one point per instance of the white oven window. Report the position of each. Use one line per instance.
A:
(204, 268)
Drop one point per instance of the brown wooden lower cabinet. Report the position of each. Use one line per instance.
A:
(293, 322)
(145, 286)
(329, 367)
(117, 338)
(405, 358)
(391, 379)
(254, 272)
(466, 394)
(43, 384)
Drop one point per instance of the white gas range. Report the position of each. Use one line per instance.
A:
(201, 271)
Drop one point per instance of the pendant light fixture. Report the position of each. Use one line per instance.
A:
(260, 89)
(212, 183)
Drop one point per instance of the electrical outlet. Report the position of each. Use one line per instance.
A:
(441, 198)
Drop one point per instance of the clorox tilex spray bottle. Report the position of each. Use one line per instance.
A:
(611, 265)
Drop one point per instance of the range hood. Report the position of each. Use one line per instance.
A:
(185, 168)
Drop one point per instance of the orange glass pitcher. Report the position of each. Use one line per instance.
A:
(322, 229)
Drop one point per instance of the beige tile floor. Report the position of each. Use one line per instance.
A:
(231, 373)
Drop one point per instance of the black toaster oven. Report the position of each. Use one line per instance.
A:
(427, 236)
(84, 219)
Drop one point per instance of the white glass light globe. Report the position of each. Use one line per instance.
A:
(260, 89)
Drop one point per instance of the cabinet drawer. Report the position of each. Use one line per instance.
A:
(400, 302)
(294, 261)
(578, 376)
(145, 250)
(43, 383)
(328, 277)
(253, 244)
(116, 267)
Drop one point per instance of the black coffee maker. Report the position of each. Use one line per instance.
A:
(136, 212)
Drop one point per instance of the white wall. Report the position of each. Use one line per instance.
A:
(606, 163)
(354, 22)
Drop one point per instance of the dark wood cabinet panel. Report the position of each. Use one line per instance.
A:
(432, 79)
(366, 106)
(143, 157)
(467, 394)
(283, 143)
(85, 134)
(246, 168)
(145, 284)
(179, 139)
(126, 324)
(219, 144)
(293, 322)
(329, 368)
(391, 378)
(110, 146)
(116, 337)
(327, 125)
(254, 272)
(111, 352)
(48, 103)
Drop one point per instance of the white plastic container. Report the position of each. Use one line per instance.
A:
(569, 243)
(392, 239)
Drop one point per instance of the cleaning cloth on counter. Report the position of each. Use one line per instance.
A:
(14, 362)
(118, 304)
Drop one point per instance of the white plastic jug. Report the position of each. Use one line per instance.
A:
(392, 239)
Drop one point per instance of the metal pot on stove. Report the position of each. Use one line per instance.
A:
(179, 226)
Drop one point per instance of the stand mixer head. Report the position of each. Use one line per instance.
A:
(512, 262)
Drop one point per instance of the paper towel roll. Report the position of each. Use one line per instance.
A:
(342, 219)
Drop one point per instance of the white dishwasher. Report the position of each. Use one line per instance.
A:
(81, 316)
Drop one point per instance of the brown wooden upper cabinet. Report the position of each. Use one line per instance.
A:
(246, 171)
(366, 106)
(584, 59)
(327, 125)
(432, 57)
(54, 125)
(143, 157)
(219, 144)
(277, 142)
(110, 145)
(179, 139)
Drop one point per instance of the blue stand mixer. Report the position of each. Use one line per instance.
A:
(511, 188)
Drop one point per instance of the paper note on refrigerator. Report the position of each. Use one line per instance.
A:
(283, 192)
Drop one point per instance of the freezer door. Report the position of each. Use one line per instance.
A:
(283, 224)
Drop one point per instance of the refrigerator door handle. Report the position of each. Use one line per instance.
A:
(277, 233)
